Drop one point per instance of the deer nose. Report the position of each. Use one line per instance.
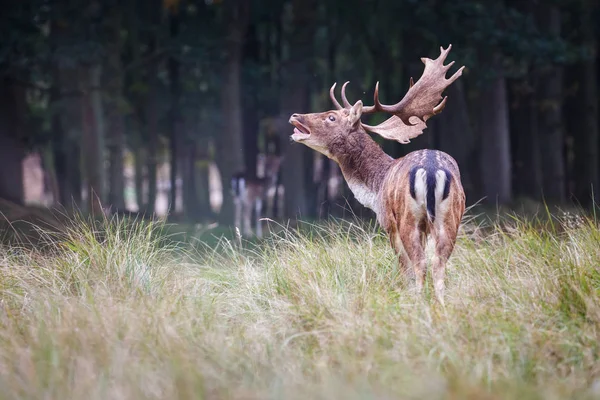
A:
(295, 116)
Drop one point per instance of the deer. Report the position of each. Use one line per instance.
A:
(250, 192)
(415, 197)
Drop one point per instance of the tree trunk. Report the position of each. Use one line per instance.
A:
(188, 178)
(454, 132)
(66, 123)
(152, 131)
(140, 199)
(551, 121)
(175, 134)
(66, 136)
(495, 142)
(151, 110)
(12, 152)
(92, 137)
(202, 184)
(59, 154)
(116, 124)
(525, 141)
(11, 173)
(229, 143)
(294, 99)
(527, 176)
(585, 116)
(251, 85)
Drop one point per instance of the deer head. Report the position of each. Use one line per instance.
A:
(323, 131)
(326, 131)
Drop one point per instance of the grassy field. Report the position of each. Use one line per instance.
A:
(114, 310)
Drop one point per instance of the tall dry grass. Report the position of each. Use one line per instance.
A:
(112, 310)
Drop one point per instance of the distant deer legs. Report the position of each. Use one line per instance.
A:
(237, 202)
(247, 214)
(258, 205)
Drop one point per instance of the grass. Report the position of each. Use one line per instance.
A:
(115, 310)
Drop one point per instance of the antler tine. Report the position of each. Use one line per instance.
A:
(333, 99)
(456, 75)
(438, 109)
(371, 109)
(344, 99)
(377, 104)
(346, 102)
(443, 54)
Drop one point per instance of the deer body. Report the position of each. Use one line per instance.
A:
(422, 196)
(250, 193)
(414, 197)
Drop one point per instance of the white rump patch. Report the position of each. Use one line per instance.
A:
(440, 204)
(420, 201)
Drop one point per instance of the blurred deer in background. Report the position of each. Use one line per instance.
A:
(269, 166)
(251, 193)
(414, 197)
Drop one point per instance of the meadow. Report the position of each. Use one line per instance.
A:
(116, 309)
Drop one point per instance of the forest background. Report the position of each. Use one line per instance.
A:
(154, 105)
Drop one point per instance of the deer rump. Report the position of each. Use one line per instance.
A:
(429, 185)
(428, 176)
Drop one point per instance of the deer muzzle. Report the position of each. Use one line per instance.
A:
(301, 131)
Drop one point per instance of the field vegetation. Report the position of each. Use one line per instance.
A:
(117, 309)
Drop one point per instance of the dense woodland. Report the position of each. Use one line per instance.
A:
(99, 87)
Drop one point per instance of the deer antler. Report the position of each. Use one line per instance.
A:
(422, 101)
(347, 104)
(394, 128)
(333, 99)
(423, 98)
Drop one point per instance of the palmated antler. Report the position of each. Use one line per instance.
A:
(421, 101)
(423, 98)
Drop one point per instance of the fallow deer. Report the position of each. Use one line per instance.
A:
(414, 197)
(251, 192)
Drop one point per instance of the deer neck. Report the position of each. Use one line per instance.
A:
(364, 166)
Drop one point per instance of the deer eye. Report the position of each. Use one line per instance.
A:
(331, 118)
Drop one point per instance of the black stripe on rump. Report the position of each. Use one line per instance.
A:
(447, 183)
(431, 193)
(411, 177)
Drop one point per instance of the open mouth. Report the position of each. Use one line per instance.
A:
(301, 132)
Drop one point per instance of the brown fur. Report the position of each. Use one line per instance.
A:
(383, 184)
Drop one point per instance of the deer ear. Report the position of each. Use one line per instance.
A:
(356, 112)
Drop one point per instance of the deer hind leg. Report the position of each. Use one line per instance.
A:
(413, 243)
(444, 235)
(240, 196)
(238, 205)
(404, 262)
(270, 199)
(445, 229)
(444, 245)
(279, 201)
(247, 215)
